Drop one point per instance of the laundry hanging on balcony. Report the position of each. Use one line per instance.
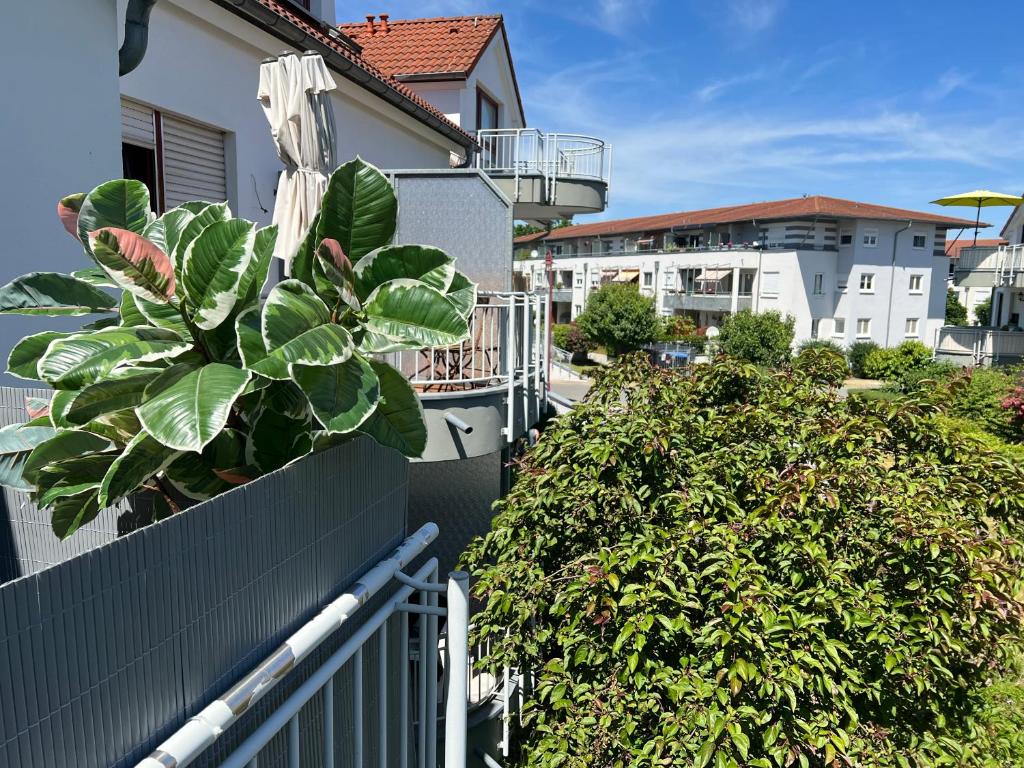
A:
(295, 94)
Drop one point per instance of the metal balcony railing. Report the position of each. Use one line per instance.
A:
(1004, 261)
(979, 346)
(529, 152)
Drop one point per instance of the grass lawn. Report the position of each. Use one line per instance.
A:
(870, 393)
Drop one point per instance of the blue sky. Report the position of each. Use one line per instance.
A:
(734, 101)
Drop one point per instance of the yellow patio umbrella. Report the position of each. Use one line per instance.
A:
(980, 198)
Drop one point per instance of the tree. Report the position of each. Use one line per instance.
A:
(764, 338)
(983, 312)
(618, 317)
(956, 313)
(739, 568)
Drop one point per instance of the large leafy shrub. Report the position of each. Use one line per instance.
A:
(823, 365)
(857, 354)
(189, 383)
(764, 338)
(569, 337)
(618, 317)
(739, 569)
(983, 312)
(890, 363)
(956, 313)
(820, 344)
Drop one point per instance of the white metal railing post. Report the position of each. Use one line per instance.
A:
(510, 351)
(458, 651)
(526, 360)
(430, 650)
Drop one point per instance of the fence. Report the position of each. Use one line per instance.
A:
(979, 346)
(104, 655)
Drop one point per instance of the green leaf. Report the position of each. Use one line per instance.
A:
(291, 308)
(120, 427)
(83, 359)
(121, 203)
(334, 276)
(69, 513)
(213, 267)
(51, 293)
(462, 293)
(398, 421)
(304, 258)
(142, 458)
(255, 275)
(16, 444)
(163, 316)
(342, 396)
(115, 393)
(414, 262)
(277, 439)
(323, 345)
(134, 263)
(129, 311)
(165, 232)
(359, 209)
(406, 310)
(203, 215)
(95, 276)
(194, 474)
(66, 444)
(249, 337)
(191, 412)
(24, 358)
(59, 405)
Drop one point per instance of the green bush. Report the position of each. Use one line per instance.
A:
(977, 394)
(857, 354)
(822, 364)
(929, 376)
(739, 569)
(893, 362)
(764, 338)
(568, 336)
(956, 313)
(820, 344)
(619, 318)
(675, 328)
(983, 312)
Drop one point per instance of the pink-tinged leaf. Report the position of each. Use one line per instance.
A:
(337, 268)
(67, 209)
(239, 476)
(135, 263)
(331, 250)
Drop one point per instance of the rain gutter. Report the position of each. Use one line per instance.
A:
(136, 35)
(892, 279)
(287, 31)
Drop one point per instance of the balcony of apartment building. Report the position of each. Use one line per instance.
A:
(712, 288)
(1001, 269)
(547, 176)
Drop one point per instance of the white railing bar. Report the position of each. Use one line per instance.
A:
(457, 646)
(403, 691)
(421, 691)
(510, 368)
(277, 720)
(382, 695)
(526, 359)
(422, 586)
(329, 723)
(430, 649)
(202, 730)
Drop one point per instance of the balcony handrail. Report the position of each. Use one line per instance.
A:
(553, 156)
(688, 249)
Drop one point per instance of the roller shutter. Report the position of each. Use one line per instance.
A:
(193, 162)
(137, 124)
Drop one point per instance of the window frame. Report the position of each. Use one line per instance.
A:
(865, 334)
(839, 326)
(648, 279)
(916, 333)
(819, 284)
(762, 289)
(924, 241)
(870, 280)
(920, 283)
(815, 327)
(481, 97)
(872, 233)
(847, 233)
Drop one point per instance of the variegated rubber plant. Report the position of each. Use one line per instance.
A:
(190, 383)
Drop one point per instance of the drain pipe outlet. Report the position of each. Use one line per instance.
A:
(458, 423)
(136, 35)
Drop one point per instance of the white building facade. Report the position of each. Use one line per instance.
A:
(844, 279)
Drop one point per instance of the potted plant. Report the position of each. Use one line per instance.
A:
(190, 382)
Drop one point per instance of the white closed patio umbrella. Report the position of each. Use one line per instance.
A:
(295, 94)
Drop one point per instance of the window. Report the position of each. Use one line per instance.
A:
(595, 277)
(911, 329)
(863, 327)
(486, 111)
(648, 279)
(578, 310)
(841, 286)
(815, 324)
(846, 237)
(819, 284)
(916, 281)
(920, 241)
(840, 327)
(870, 238)
(579, 279)
(770, 284)
(867, 282)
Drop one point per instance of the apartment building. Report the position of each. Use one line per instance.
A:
(846, 271)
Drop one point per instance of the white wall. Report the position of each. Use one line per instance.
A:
(60, 61)
(203, 63)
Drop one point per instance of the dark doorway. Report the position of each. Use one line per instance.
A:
(139, 163)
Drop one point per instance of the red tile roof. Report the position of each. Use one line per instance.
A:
(445, 47)
(953, 247)
(318, 32)
(797, 207)
(449, 45)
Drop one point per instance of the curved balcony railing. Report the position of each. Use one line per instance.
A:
(554, 156)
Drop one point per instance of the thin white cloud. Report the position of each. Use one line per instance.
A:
(948, 82)
(753, 16)
(716, 88)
